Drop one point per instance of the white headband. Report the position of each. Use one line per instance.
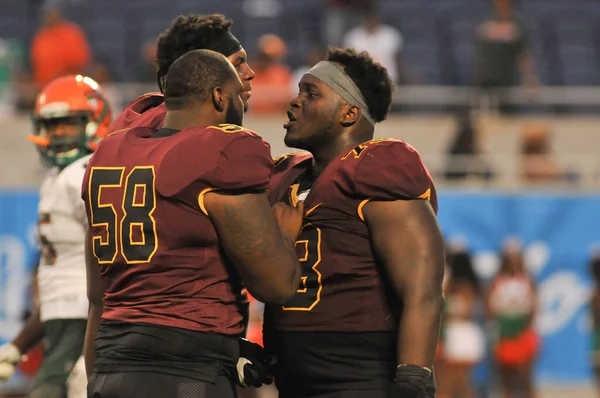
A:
(339, 81)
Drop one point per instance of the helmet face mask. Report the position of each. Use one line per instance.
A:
(71, 116)
(62, 140)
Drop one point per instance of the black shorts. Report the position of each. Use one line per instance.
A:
(133, 347)
(332, 365)
(156, 385)
(340, 394)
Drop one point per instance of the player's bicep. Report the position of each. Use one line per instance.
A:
(408, 243)
(95, 287)
(240, 220)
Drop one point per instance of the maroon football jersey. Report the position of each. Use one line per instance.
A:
(342, 287)
(159, 252)
(147, 110)
(288, 169)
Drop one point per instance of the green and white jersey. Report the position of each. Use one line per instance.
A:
(62, 226)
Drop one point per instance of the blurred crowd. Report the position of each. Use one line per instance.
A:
(502, 58)
(537, 161)
(61, 46)
(504, 306)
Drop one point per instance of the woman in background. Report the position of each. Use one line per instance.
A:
(462, 340)
(511, 306)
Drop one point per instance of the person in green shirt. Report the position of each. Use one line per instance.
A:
(511, 307)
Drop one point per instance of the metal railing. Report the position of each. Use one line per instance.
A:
(453, 95)
(507, 171)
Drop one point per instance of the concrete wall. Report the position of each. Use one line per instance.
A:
(577, 142)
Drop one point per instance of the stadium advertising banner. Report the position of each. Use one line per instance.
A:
(557, 233)
(18, 253)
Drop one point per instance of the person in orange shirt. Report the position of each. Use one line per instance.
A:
(59, 48)
(271, 86)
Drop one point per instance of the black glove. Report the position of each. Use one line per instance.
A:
(412, 382)
(254, 365)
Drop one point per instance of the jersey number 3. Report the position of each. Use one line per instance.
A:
(133, 234)
(308, 247)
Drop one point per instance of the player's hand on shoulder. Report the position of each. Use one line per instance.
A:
(289, 219)
(254, 365)
(10, 356)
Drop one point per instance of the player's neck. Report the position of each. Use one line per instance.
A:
(323, 156)
(184, 119)
(329, 152)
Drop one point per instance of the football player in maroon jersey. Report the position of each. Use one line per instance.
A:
(179, 221)
(365, 318)
(186, 33)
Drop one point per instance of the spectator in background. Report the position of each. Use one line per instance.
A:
(340, 16)
(59, 48)
(465, 160)
(313, 57)
(511, 306)
(538, 162)
(463, 341)
(595, 312)
(11, 66)
(383, 42)
(147, 71)
(503, 56)
(271, 86)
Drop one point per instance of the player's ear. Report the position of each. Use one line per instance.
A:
(218, 97)
(349, 115)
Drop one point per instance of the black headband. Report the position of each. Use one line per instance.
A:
(226, 44)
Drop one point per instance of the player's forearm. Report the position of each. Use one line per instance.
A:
(282, 283)
(278, 278)
(31, 334)
(93, 323)
(419, 331)
(292, 277)
(249, 234)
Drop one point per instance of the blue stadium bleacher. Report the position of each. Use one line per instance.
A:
(439, 34)
(421, 31)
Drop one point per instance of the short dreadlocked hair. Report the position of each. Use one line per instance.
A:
(371, 78)
(187, 33)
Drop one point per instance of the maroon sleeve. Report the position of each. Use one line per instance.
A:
(210, 160)
(391, 170)
(245, 164)
(147, 110)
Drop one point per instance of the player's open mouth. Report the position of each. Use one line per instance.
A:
(291, 120)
